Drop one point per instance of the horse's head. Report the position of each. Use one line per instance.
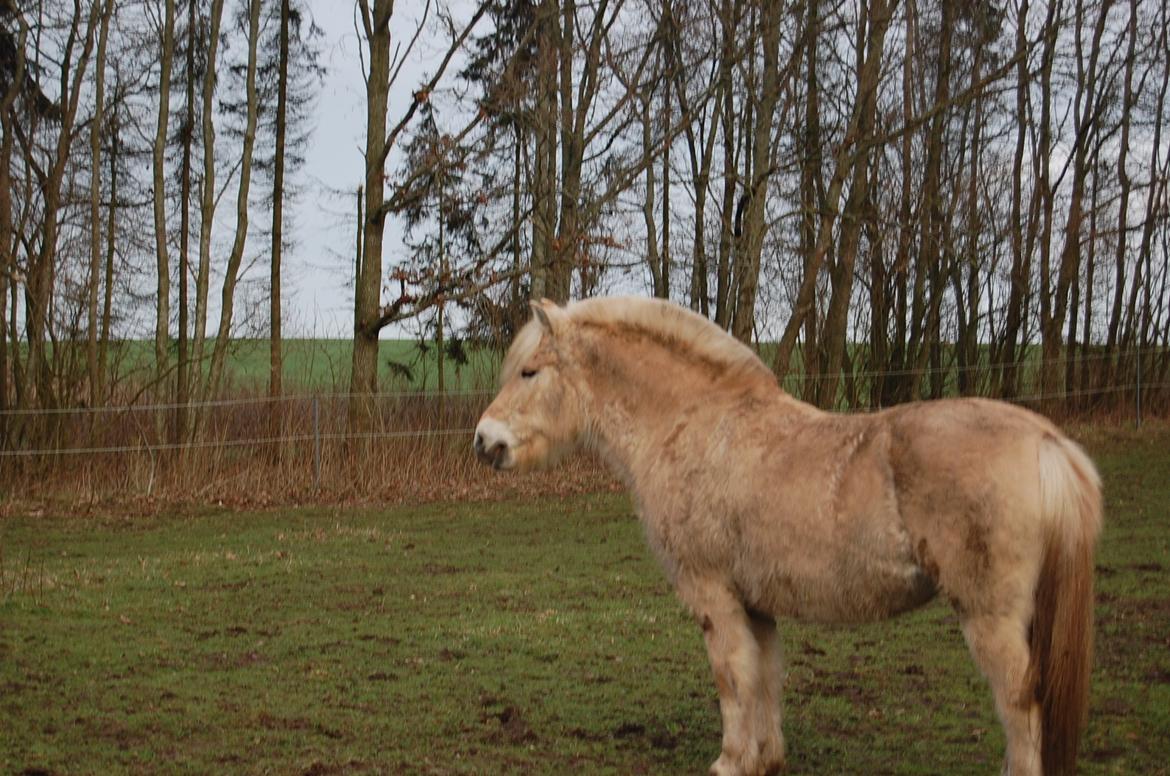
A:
(536, 418)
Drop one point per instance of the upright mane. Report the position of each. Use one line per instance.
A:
(687, 333)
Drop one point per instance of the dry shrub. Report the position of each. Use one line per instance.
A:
(254, 452)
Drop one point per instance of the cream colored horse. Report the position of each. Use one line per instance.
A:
(760, 506)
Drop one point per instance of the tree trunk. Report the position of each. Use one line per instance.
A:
(1090, 267)
(364, 375)
(748, 262)
(730, 14)
(967, 308)
(653, 257)
(574, 112)
(207, 199)
(111, 232)
(1021, 261)
(835, 335)
(7, 233)
(810, 185)
(182, 376)
(893, 384)
(39, 288)
(663, 292)
(848, 153)
(700, 154)
(231, 275)
(161, 249)
(275, 359)
(932, 213)
(1156, 193)
(95, 221)
(1070, 252)
(518, 176)
(1108, 373)
(441, 379)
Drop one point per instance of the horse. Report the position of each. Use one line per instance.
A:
(761, 507)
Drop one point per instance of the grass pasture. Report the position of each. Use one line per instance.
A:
(497, 637)
(323, 365)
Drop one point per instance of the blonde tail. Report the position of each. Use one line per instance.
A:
(1062, 627)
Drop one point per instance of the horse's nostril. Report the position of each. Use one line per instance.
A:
(478, 444)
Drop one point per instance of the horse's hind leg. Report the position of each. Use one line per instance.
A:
(734, 643)
(999, 645)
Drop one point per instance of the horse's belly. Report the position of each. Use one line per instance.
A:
(874, 598)
(842, 589)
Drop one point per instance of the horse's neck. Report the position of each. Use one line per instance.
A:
(621, 429)
(633, 409)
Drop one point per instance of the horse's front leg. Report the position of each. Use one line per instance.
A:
(768, 700)
(744, 659)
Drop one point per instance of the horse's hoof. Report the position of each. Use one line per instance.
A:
(725, 766)
(772, 758)
(774, 767)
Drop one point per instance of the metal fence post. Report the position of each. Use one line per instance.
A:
(316, 443)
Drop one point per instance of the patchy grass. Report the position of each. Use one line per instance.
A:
(505, 637)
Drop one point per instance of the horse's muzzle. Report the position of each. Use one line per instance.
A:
(494, 455)
(493, 443)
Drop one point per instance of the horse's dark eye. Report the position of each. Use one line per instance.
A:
(526, 373)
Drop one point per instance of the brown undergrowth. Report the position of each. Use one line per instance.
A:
(253, 453)
(250, 452)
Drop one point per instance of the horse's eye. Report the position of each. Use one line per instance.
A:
(527, 373)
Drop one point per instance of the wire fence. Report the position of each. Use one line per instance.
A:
(316, 419)
(66, 431)
(296, 439)
(244, 448)
(1086, 360)
(242, 401)
(251, 441)
(343, 442)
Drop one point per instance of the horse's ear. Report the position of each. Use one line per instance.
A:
(541, 315)
(551, 315)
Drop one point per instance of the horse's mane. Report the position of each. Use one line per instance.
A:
(676, 328)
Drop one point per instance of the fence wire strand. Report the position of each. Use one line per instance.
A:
(250, 400)
(419, 434)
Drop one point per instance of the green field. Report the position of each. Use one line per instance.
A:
(499, 637)
(324, 365)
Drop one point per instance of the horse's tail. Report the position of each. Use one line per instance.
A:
(1062, 626)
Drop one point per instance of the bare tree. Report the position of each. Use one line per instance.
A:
(95, 147)
(370, 315)
(275, 364)
(232, 272)
(166, 45)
